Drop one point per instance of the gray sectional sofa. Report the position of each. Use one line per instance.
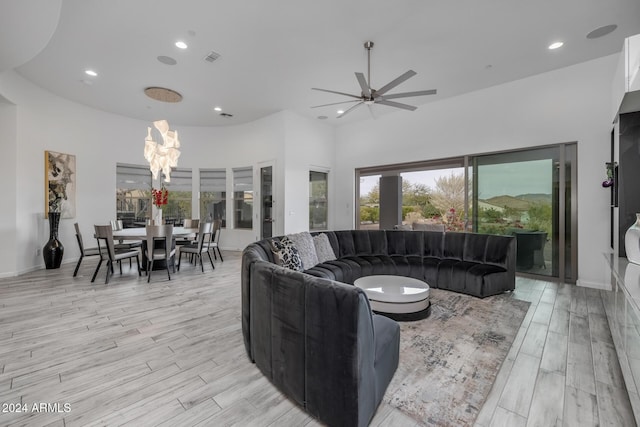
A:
(312, 333)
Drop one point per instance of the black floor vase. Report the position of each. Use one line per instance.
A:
(53, 250)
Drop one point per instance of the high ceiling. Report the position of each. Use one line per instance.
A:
(273, 52)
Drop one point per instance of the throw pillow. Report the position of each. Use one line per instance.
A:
(323, 248)
(286, 254)
(304, 244)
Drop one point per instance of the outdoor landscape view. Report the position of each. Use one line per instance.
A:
(438, 197)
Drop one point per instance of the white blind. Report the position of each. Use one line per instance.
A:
(213, 180)
(243, 179)
(133, 177)
(180, 180)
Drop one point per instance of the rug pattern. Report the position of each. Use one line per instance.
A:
(449, 361)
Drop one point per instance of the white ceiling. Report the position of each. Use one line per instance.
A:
(273, 52)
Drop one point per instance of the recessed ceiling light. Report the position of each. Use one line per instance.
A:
(90, 73)
(217, 109)
(340, 111)
(555, 45)
(181, 45)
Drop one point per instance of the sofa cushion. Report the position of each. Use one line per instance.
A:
(303, 242)
(454, 245)
(497, 252)
(483, 280)
(286, 254)
(475, 247)
(404, 243)
(345, 243)
(324, 251)
(433, 243)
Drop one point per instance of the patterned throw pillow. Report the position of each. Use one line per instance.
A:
(286, 254)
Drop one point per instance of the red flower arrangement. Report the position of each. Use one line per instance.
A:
(160, 197)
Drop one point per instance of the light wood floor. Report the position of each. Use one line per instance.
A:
(171, 353)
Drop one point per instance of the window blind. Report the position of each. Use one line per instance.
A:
(243, 179)
(180, 180)
(133, 177)
(213, 180)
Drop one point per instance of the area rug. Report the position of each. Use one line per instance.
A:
(449, 361)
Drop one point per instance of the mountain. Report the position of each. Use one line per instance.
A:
(536, 198)
(521, 202)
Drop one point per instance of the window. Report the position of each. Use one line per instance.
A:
(243, 197)
(369, 203)
(133, 194)
(180, 194)
(318, 195)
(213, 195)
(528, 193)
(434, 195)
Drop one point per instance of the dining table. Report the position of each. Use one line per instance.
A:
(140, 233)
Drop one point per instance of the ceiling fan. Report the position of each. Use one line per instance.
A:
(370, 96)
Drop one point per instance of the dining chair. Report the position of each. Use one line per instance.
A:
(188, 223)
(160, 248)
(84, 252)
(204, 235)
(107, 252)
(215, 238)
(116, 225)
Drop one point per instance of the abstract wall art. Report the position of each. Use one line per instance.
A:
(60, 183)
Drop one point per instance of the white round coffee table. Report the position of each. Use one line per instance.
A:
(396, 295)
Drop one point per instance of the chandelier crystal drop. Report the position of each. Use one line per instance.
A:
(162, 156)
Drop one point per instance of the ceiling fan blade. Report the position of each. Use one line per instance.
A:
(366, 90)
(384, 89)
(338, 93)
(351, 109)
(408, 94)
(397, 105)
(335, 103)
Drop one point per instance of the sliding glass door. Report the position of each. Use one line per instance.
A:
(530, 194)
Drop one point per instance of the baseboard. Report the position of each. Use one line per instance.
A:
(594, 285)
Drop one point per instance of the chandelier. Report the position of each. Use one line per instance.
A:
(162, 156)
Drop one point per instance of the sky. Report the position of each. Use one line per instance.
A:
(529, 177)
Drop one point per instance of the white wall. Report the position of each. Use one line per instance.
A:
(309, 145)
(8, 119)
(571, 104)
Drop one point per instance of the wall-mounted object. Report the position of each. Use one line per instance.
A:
(60, 184)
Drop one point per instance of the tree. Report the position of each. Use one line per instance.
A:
(416, 197)
(372, 197)
(449, 194)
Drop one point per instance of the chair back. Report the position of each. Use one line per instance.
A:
(104, 233)
(79, 238)
(191, 223)
(159, 232)
(217, 227)
(205, 234)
